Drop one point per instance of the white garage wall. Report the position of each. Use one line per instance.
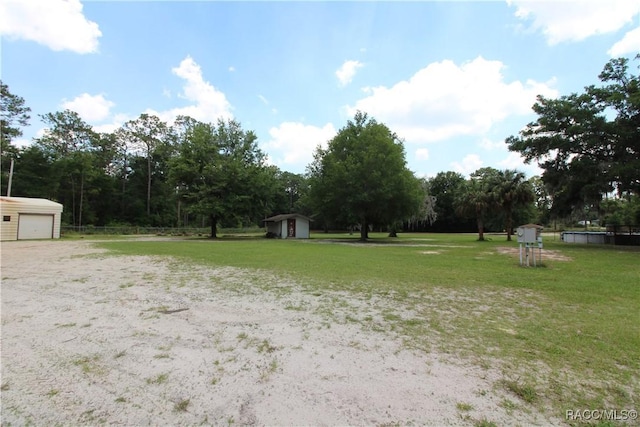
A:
(13, 208)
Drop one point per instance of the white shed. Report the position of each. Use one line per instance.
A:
(284, 226)
(26, 218)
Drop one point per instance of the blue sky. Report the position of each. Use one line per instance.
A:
(453, 79)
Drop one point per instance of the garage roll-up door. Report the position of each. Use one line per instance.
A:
(35, 226)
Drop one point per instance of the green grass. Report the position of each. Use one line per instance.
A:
(182, 405)
(89, 365)
(568, 331)
(158, 379)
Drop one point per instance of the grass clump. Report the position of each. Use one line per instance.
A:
(464, 407)
(89, 364)
(526, 392)
(158, 379)
(182, 405)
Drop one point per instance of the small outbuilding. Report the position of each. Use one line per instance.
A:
(27, 218)
(294, 226)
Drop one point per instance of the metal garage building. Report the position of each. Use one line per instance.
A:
(26, 218)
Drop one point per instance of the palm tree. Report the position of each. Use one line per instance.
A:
(475, 201)
(511, 190)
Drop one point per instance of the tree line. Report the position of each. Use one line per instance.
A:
(190, 173)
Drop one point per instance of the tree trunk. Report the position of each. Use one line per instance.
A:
(364, 230)
(480, 229)
(148, 184)
(73, 202)
(178, 216)
(509, 226)
(214, 226)
(81, 198)
(124, 188)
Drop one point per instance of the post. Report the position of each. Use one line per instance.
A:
(520, 254)
(10, 179)
(533, 254)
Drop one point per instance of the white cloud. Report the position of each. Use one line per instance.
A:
(57, 24)
(516, 161)
(347, 71)
(20, 142)
(115, 122)
(208, 104)
(422, 154)
(563, 21)
(630, 43)
(91, 108)
(469, 164)
(292, 144)
(444, 100)
(489, 145)
(231, 69)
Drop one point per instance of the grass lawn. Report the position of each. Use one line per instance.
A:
(565, 335)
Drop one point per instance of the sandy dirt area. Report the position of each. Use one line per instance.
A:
(90, 338)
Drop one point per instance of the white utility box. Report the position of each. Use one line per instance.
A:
(529, 237)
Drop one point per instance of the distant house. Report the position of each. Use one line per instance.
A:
(26, 218)
(294, 226)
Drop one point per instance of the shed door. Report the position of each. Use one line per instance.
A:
(32, 226)
(291, 227)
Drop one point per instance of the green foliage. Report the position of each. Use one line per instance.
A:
(446, 187)
(476, 200)
(291, 194)
(220, 173)
(621, 212)
(69, 144)
(511, 191)
(13, 115)
(584, 149)
(147, 134)
(362, 178)
(495, 193)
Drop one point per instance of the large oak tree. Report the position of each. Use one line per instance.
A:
(362, 177)
(220, 172)
(588, 144)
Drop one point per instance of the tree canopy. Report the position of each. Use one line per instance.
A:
(362, 178)
(149, 172)
(14, 114)
(588, 144)
(220, 172)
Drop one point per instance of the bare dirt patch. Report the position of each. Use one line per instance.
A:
(90, 338)
(546, 254)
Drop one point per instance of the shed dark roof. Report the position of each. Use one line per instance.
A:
(282, 217)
